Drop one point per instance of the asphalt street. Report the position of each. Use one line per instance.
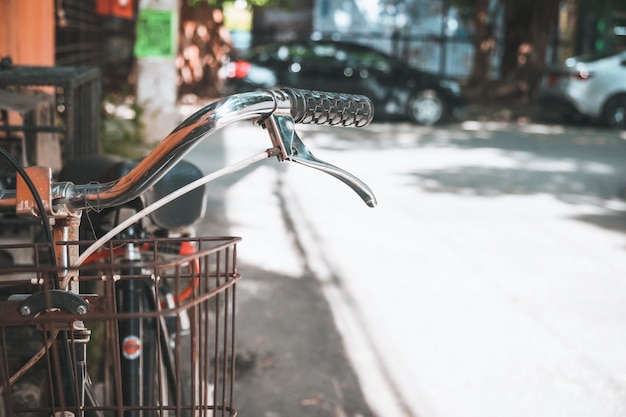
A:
(488, 282)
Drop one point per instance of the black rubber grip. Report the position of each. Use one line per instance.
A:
(323, 108)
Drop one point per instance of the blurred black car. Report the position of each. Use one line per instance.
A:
(394, 88)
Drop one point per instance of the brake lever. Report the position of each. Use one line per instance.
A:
(281, 128)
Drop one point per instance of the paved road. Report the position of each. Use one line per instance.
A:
(488, 282)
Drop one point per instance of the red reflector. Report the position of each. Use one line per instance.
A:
(131, 347)
(582, 75)
(553, 79)
(239, 69)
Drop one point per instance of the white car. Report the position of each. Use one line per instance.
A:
(587, 87)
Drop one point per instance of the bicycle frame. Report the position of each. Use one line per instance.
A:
(276, 111)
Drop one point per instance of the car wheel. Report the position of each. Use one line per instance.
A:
(426, 107)
(615, 112)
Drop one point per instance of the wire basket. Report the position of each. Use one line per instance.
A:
(151, 336)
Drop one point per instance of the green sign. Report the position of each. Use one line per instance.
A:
(156, 34)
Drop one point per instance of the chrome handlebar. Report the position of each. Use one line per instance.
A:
(275, 110)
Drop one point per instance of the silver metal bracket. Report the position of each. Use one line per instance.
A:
(281, 129)
(48, 193)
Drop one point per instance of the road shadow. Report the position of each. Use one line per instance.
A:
(292, 361)
(575, 164)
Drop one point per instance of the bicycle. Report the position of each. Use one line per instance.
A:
(191, 363)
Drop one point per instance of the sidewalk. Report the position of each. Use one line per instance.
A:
(509, 112)
(291, 358)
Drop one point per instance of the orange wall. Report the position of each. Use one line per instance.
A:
(27, 31)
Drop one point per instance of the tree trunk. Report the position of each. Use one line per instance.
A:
(484, 43)
(544, 22)
(527, 32)
(203, 44)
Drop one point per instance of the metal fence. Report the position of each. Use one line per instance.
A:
(78, 33)
(444, 55)
(448, 56)
(77, 94)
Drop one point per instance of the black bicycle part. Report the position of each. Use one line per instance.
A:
(53, 299)
(184, 211)
(318, 107)
(74, 388)
(137, 338)
(140, 338)
(164, 329)
(40, 206)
